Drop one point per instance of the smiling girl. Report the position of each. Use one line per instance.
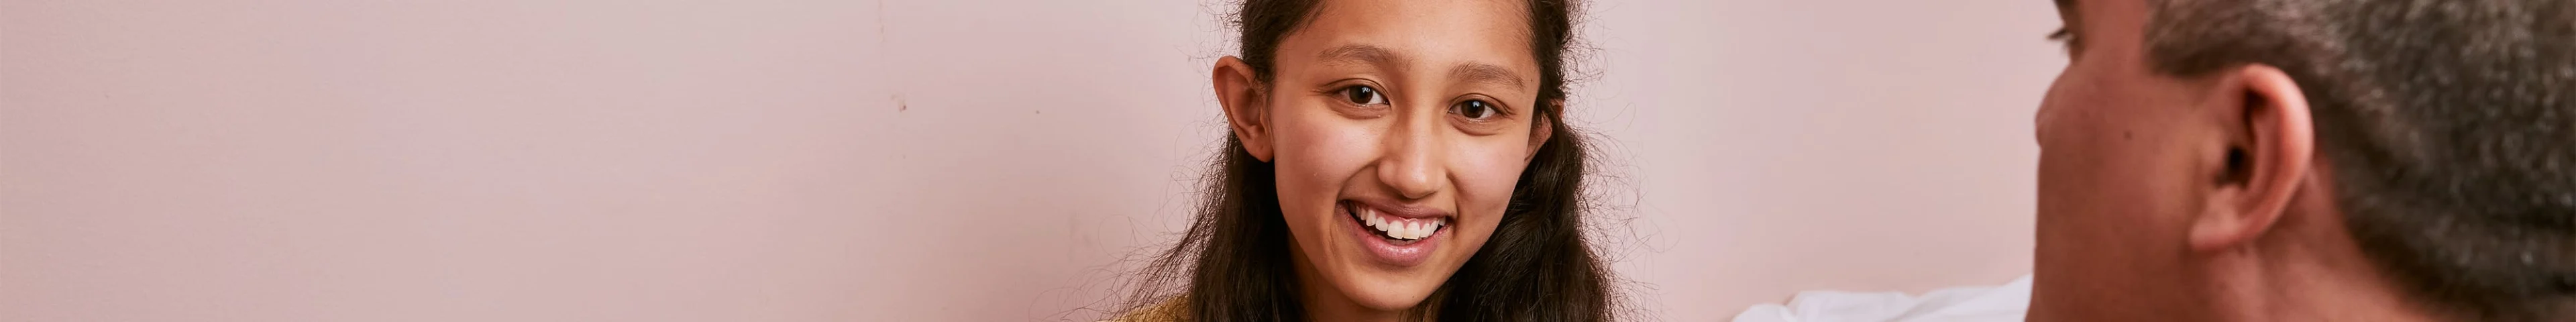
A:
(1390, 160)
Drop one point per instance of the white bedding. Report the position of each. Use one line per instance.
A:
(1957, 304)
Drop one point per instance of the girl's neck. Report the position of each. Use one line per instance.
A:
(1323, 303)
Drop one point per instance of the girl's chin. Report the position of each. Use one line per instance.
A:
(1390, 298)
(1390, 290)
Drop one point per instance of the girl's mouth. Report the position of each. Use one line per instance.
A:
(1396, 230)
(1394, 239)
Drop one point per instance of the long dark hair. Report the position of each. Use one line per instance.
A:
(1537, 266)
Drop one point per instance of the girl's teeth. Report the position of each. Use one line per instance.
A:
(1399, 228)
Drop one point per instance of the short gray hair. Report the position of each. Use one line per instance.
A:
(2447, 126)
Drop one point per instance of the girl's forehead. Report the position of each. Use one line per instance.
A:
(1498, 19)
(1435, 32)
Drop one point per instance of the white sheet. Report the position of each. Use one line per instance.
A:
(1957, 304)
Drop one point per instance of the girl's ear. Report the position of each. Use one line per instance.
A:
(1543, 124)
(1242, 98)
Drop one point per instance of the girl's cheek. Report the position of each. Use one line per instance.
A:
(1321, 152)
(1487, 174)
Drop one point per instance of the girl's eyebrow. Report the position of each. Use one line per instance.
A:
(1486, 73)
(1365, 54)
(1360, 54)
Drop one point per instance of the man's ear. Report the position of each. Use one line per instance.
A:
(1242, 98)
(1544, 124)
(2270, 142)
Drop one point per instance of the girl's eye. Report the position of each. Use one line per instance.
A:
(1363, 95)
(1475, 110)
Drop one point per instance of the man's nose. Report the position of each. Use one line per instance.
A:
(2039, 124)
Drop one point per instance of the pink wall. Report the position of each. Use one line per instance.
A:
(805, 160)
(1791, 145)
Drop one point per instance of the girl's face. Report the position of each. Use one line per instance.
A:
(1397, 129)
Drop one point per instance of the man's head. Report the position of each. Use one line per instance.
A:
(2423, 147)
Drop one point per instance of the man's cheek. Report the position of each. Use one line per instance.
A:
(2048, 122)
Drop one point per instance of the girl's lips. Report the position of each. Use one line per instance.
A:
(1399, 253)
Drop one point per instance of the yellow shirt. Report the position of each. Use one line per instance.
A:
(1168, 311)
